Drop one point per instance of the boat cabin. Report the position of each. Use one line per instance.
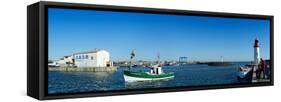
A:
(156, 70)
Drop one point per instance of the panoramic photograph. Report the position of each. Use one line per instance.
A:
(99, 51)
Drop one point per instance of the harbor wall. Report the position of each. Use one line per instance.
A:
(85, 69)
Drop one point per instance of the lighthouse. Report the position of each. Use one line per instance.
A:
(256, 59)
(256, 52)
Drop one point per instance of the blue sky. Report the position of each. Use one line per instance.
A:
(196, 37)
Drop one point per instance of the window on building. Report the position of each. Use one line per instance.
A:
(92, 58)
(86, 56)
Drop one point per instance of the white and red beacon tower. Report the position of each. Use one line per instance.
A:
(256, 52)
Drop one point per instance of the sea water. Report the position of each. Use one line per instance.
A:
(185, 75)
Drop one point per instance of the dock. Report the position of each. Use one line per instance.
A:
(86, 69)
(255, 79)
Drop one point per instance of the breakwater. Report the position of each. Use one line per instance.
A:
(83, 69)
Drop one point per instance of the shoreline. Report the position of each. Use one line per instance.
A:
(83, 69)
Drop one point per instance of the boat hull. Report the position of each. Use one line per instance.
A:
(245, 75)
(142, 76)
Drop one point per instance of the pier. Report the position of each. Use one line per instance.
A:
(86, 69)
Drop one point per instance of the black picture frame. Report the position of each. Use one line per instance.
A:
(37, 48)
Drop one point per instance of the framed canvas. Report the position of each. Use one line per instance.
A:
(85, 50)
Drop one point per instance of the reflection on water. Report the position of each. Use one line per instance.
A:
(145, 84)
(186, 75)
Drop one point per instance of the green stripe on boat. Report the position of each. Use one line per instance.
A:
(146, 75)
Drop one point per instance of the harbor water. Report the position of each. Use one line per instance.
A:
(60, 82)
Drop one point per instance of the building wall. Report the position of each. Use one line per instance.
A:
(68, 59)
(102, 58)
(61, 63)
(98, 59)
(85, 60)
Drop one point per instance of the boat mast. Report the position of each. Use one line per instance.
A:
(158, 58)
(132, 56)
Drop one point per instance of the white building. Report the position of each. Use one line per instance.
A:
(94, 58)
(66, 61)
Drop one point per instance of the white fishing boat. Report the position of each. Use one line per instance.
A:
(156, 73)
(245, 72)
(53, 64)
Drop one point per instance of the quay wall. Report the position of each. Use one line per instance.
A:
(86, 69)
